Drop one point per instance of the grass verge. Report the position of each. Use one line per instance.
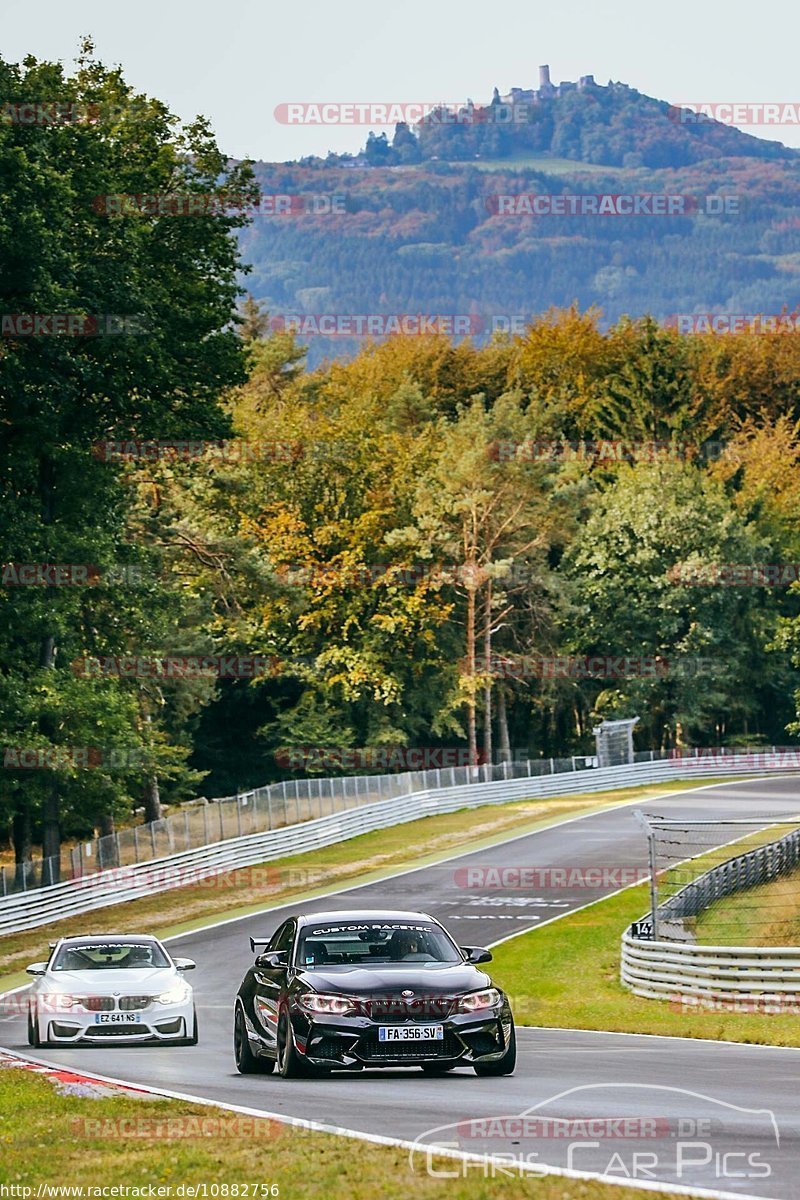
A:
(566, 975)
(767, 915)
(357, 860)
(121, 1141)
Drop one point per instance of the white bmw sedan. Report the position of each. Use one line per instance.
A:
(111, 988)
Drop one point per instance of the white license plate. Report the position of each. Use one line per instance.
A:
(117, 1018)
(410, 1033)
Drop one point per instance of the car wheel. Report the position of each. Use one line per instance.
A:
(290, 1064)
(246, 1061)
(434, 1068)
(33, 1030)
(504, 1065)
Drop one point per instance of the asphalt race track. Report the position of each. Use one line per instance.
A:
(712, 1115)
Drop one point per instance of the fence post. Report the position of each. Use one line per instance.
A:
(136, 843)
(269, 805)
(221, 821)
(186, 827)
(153, 837)
(238, 815)
(552, 767)
(651, 856)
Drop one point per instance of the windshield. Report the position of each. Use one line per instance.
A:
(375, 943)
(117, 956)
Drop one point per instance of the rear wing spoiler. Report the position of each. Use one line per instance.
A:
(258, 942)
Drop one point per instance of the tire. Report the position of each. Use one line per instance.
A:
(290, 1065)
(33, 1030)
(246, 1061)
(433, 1068)
(504, 1065)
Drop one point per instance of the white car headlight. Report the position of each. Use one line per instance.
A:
(58, 1001)
(176, 995)
(473, 1001)
(319, 1002)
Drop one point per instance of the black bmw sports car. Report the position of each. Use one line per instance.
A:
(349, 990)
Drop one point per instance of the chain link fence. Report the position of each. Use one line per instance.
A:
(289, 802)
(718, 882)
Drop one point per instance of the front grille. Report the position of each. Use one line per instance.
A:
(134, 1003)
(394, 1008)
(448, 1047)
(98, 1003)
(111, 1031)
(326, 1047)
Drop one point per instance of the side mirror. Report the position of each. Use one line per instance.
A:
(36, 968)
(476, 954)
(273, 960)
(185, 964)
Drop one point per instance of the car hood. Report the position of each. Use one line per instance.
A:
(130, 982)
(434, 979)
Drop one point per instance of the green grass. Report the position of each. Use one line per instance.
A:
(566, 975)
(47, 1138)
(767, 915)
(357, 860)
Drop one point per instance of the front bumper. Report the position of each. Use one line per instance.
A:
(354, 1042)
(156, 1023)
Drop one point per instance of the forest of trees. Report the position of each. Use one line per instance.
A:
(429, 239)
(424, 545)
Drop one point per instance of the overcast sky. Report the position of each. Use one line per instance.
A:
(236, 62)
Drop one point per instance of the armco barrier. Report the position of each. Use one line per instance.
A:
(686, 972)
(31, 909)
(693, 973)
(747, 870)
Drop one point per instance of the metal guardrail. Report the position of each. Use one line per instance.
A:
(689, 972)
(74, 897)
(257, 811)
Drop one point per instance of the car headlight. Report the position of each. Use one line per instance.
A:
(176, 995)
(488, 998)
(57, 1001)
(319, 1002)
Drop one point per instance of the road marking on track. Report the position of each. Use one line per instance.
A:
(598, 812)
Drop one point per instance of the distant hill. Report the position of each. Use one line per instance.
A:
(427, 225)
(613, 125)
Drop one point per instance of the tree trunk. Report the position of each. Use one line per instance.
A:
(487, 687)
(152, 800)
(51, 806)
(107, 854)
(471, 728)
(502, 725)
(23, 844)
(51, 837)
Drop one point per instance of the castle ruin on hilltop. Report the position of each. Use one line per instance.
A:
(546, 89)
